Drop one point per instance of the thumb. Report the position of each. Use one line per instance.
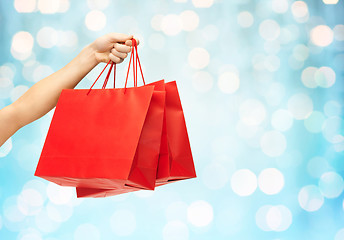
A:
(119, 37)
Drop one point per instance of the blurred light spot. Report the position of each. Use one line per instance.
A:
(67, 38)
(317, 166)
(270, 181)
(279, 6)
(45, 223)
(325, 77)
(330, 1)
(174, 230)
(252, 112)
(229, 82)
(156, 41)
(278, 218)
(274, 94)
(171, 24)
(123, 222)
(321, 35)
(37, 185)
(215, 176)
(59, 213)
(25, 6)
(41, 72)
(7, 71)
(300, 12)
(338, 31)
(281, 120)
(244, 182)
(245, 19)
(22, 44)
(156, 22)
(246, 131)
(87, 231)
(48, 6)
(6, 86)
(30, 202)
(18, 91)
(176, 211)
(272, 63)
(60, 195)
(331, 184)
(269, 29)
(200, 213)
(190, 20)
(314, 122)
(300, 106)
(198, 58)
(11, 211)
(202, 3)
(294, 63)
(258, 61)
(202, 81)
(63, 6)
(29, 234)
(210, 32)
(98, 4)
(332, 108)
(95, 20)
(310, 198)
(333, 129)
(308, 77)
(47, 37)
(261, 217)
(6, 148)
(273, 143)
(339, 235)
(288, 34)
(300, 52)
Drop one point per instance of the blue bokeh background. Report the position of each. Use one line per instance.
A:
(261, 83)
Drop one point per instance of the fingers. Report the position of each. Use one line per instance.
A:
(119, 37)
(119, 54)
(122, 48)
(130, 42)
(115, 59)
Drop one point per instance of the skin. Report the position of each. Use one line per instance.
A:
(43, 96)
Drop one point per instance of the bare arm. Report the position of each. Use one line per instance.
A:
(43, 95)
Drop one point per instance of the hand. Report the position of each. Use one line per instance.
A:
(112, 46)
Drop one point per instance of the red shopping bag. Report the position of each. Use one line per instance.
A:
(175, 158)
(94, 136)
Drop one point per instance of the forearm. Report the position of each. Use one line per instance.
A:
(43, 96)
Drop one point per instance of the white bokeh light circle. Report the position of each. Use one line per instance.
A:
(44, 223)
(310, 198)
(245, 19)
(25, 6)
(244, 182)
(321, 35)
(229, 82)
(338, 31)
(269, 29)
(300, 52)
(273, 143)
(210, 32)
(190, 20)
(246, 131)
(95, 20)
(308, 77)
(317, 166)
(6, 148)
(271, 181)
(156, 22)
(202, 81)
(47, 37)
(171, 24)
(30, 202)
(87, 231)
(48, 6)
(280, 6)
(60, 195)
(260, 217)
(198, 58)
(332, 129)
(300, 11)
(282, 120)
(339, 234)
(331, 184)
(59, 213)
(332, 108)
(29, 234)
(98, 4)
(22, 44)
(202, 3)
(215, 176)
(278, 218)
(252, 112)
(300, 106)
(330, 1)
(123, 222)
(174, 230)
(314, 122)
(200, 213)
(325, 77)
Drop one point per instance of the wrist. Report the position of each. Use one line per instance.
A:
(87, 56)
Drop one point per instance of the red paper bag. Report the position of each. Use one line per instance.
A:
(175, 158)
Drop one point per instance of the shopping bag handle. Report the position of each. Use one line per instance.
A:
(136, 62)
